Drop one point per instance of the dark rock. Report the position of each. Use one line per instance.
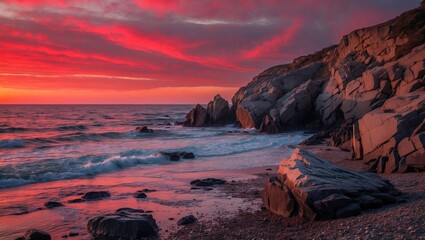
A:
(96, 195)
(186, 220)
(73, 234)
(188, 155)
(317, 138)
(140, 194)
(77, 200)
(217, 112)
(176, 156)
(124, 224)
(197, 117)
(144, 129)
(146, 190)
(317, 189)
(207, 182)
(341, 137)
(35, 234)
(53, 204)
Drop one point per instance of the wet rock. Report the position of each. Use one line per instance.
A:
(35, 234)
(144, 129)
(317, 189)
(96, 195)
(207, 182)
(140, 194)
(146, 190)
(52, 204)
(176, 156)
(77, 200)
(123, 224)
(217, 113)
(186, 220)
(73, 234)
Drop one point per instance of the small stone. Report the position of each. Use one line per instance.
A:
(96, 195)
(140, 194)
(186, 220)
(52, 204)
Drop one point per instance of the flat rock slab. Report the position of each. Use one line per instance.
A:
(317, 189)
(125, 223)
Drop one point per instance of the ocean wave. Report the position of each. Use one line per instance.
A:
(13, 129)
(72, 127)
(69, 168)
(12, 143)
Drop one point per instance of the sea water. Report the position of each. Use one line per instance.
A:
(56, 151)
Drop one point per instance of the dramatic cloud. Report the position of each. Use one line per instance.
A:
(151, 51)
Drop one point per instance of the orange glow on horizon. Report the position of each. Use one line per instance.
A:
(163, 95)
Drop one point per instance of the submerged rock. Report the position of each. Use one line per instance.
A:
(52, 204)
(186, 220)
(317, 189)
(176, 156)
(207, 182)
(96, 195)
(125, 223)
(144, 129)
(140, 194)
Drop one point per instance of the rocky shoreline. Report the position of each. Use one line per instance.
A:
(402, 220)
(367, 93)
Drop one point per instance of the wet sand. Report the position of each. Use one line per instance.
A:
(172, 200)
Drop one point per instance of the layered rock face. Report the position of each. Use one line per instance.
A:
(317, 189)
(341, 83)
(392, 137)
(217, 113)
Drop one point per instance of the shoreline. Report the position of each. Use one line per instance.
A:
(234, 210)
(172, 199)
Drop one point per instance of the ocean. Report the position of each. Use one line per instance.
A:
(58, 151)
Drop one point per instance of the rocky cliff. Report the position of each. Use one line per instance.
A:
(358, 84)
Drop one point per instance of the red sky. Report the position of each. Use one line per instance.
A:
(163, 51)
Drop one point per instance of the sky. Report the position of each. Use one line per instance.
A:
(163, 51)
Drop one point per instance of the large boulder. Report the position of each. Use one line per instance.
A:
(125, 223)
(217, 113)
(197, 117)
(280, 90)
(392, 137)
(317, 189)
